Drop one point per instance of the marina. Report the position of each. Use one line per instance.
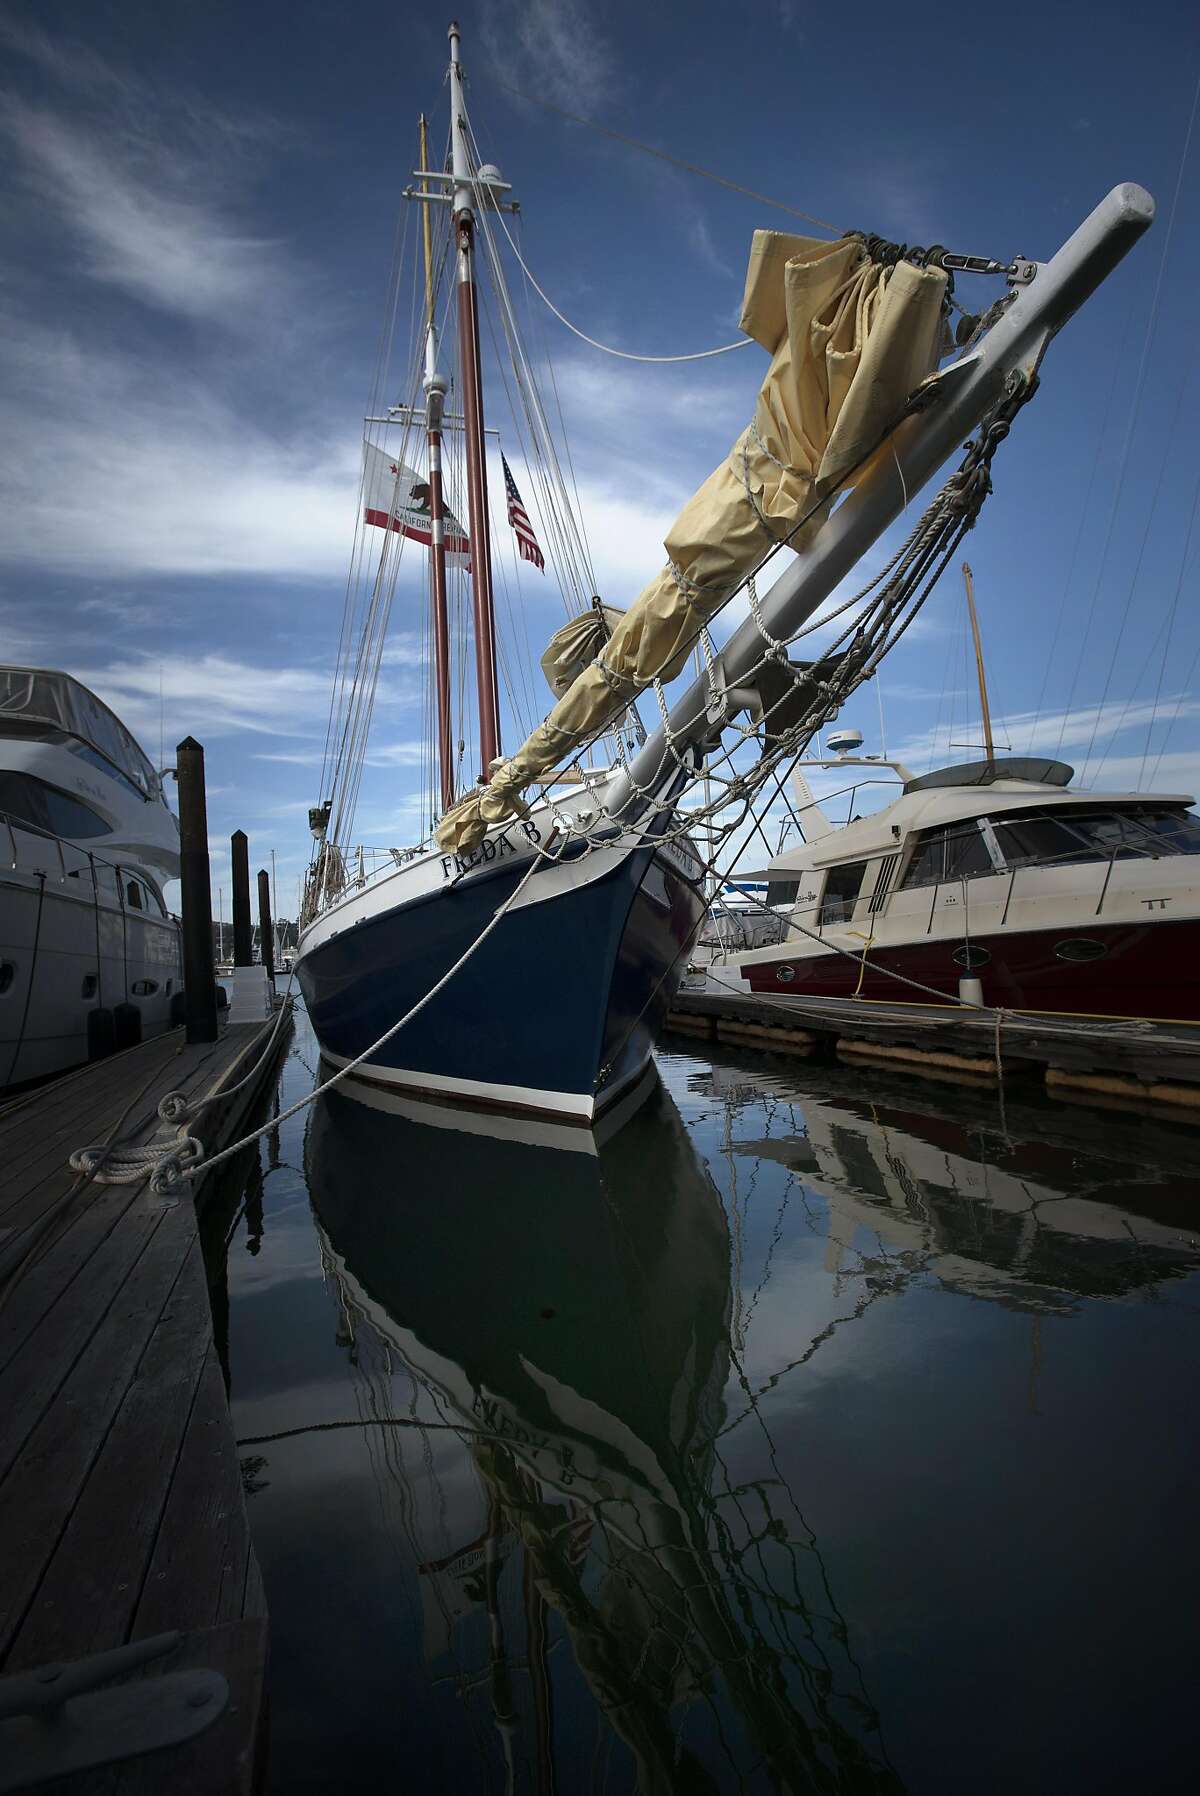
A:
(599, 1167)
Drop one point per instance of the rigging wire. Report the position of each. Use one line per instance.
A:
(1168, 446)
(1118, 362)
(1139, 394)
(1187, 546)
(624, 355)
(691, 168)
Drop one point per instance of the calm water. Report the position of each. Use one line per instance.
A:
(819, 1432)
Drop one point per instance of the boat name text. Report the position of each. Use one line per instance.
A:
(492, 848)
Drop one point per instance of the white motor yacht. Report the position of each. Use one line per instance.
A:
(1052, 899)
(90, 959)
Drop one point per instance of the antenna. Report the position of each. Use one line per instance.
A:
(988, 744)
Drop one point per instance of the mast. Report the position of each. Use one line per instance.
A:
(435, 395)
(472, 397)
(988, 744)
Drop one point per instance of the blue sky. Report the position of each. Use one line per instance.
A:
(198, 210)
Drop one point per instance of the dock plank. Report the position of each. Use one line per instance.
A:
(66, 1326)
(197, 1575)
(40, 1490)
(88, 1596)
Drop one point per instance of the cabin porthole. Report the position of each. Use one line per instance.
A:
(90, 986)
(785, 975)
(971, 957)
(1079, 949)
(8, 974)
(143, 988)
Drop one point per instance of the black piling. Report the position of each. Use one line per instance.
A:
(266, 934)
(239, 852)
(199, 980)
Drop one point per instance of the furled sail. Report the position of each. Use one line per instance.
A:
(849, 339)
(575, 645)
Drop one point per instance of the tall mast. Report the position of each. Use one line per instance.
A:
(435, 394)
(983, 697)
(472, 396)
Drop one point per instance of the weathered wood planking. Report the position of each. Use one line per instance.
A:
(121, 1506)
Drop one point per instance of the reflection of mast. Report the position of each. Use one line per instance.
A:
(501, 1679)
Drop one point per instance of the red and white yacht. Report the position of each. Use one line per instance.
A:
(1083, 903)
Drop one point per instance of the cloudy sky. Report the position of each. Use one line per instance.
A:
(199, 208)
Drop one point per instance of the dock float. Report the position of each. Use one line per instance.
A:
(122, 1516)
(1090, 1059)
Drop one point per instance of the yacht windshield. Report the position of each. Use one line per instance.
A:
(1049, 838)
(1079, 835)
(32, 695)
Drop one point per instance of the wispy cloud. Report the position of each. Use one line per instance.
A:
(140, 210)
(384, 754)
(150, 186)
(210, 695)
(129, 466)
(554, 47)
(1063, 732)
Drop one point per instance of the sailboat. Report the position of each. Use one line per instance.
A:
(523, 954)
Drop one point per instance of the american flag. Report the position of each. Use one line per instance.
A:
(518, 517)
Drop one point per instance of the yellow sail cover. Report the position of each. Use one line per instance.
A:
(849, 341)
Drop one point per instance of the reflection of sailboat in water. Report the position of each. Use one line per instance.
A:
(545, 1352)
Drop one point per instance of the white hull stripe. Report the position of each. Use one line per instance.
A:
(573, 1105)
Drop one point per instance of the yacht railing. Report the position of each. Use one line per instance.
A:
(86, 857)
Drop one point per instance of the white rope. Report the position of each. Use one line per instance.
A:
(625, 355)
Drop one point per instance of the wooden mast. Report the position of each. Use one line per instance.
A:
(472, 402)
(988, 744)
(435, 394)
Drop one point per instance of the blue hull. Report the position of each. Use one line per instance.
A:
(555, 1012)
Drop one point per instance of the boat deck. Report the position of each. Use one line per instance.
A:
(121, 1505)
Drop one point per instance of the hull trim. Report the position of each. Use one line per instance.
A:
(570, 1107)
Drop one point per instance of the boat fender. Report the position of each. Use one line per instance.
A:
(127, 1025)
(101, 1033)
(178, 1011)
(222, 998)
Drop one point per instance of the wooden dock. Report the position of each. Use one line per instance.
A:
(1100, 1059)
(121, 1506)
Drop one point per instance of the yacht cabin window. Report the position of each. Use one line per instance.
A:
(1078, 835)
(782, 891)
(1048, 838)
(842, 886)
(24, 799)
(955, 851)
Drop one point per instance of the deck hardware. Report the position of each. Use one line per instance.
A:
(56, 1720)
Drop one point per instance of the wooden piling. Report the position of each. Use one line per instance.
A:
(200, 986)
(239, 854)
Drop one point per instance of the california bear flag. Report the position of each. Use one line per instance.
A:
(396, 496)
